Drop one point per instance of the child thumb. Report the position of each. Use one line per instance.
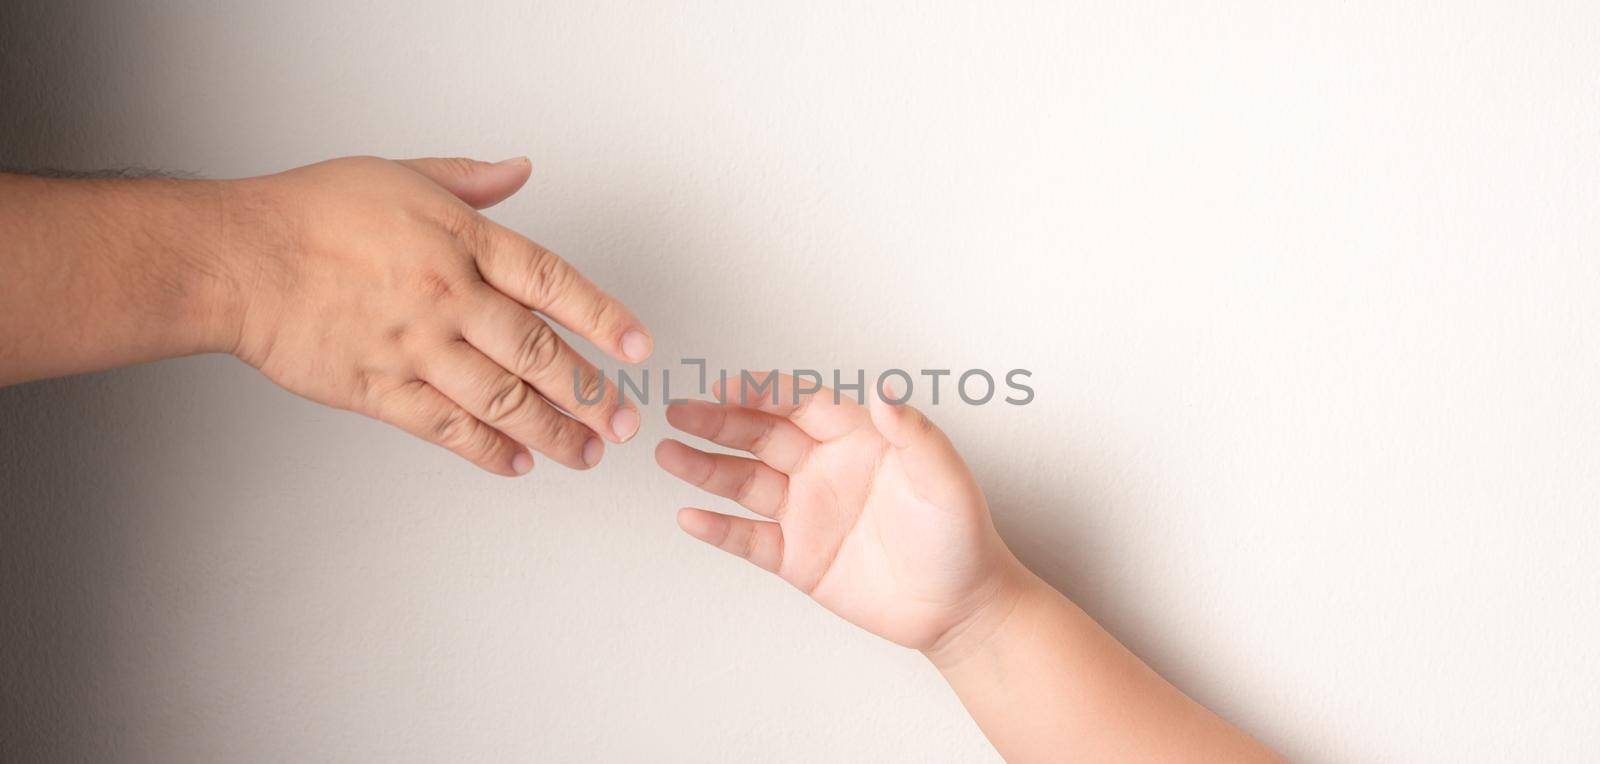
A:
(930, 460)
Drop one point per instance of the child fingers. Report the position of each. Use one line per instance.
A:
(930, 460)
(758, 541)
(755, 486)
(774, 440)
(822, 413)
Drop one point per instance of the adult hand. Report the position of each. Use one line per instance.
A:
(376, 286)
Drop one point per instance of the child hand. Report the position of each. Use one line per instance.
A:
(872, 512)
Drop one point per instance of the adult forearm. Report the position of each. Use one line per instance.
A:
(1046, 683)
(104, 273)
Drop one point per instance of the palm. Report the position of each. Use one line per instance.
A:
(867, 547)
(892, 548)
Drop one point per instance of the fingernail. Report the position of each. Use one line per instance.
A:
(624, 424)
(635, 346)
(512, 161)
(521, 463)
(592, 451)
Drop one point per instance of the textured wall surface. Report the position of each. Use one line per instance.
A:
(1310, 291)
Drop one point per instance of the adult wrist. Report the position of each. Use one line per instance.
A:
(213, 268)
(170, 266)
(253, 241)
(180, 266)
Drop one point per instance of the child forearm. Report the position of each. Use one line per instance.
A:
(1046, 683)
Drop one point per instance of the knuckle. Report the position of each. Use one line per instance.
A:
(557, 432)
(538, 351)
(506, 402)
(602, 314)
(434, 285)
(398, 403)
(480, 444)
(548, 277)
(451, 428)
(465, 224)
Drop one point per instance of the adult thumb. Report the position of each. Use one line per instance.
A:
(480, 184)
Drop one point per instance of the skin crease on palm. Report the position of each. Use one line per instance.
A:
(400, 301)
(897, 540)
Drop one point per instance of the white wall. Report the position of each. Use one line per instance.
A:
(1309, 290)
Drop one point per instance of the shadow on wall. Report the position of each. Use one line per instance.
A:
(59, 544)
(60, 535)
(71, 497)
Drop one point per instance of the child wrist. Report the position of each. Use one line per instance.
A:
(1013, 588)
